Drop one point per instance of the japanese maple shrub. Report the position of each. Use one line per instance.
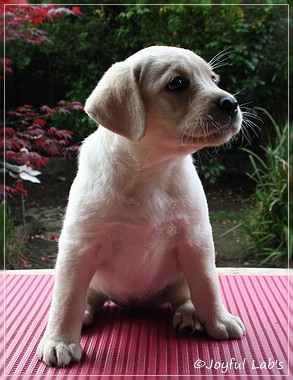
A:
(31, 138)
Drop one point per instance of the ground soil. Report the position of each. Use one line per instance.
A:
(228, 200)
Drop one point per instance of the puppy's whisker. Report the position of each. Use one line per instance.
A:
(209, 116)
(220, 64)
(244, 104)
(220, 59)
(245, 136)
(208, 129)
(239, 92)
(248, 120)
(190, 104)
(184, 137)
(250, 124)
(149, 155)
(249, 114)
(203, 127)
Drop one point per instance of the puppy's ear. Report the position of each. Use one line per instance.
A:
(116, 103)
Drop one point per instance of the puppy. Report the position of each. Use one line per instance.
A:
(137, 228)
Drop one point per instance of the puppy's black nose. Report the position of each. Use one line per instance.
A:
(228, 104)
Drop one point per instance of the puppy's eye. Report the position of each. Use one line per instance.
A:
(215, 79)
(177, 83)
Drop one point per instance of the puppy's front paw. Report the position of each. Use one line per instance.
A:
(185, 320)
(58, 353)
(225, 326)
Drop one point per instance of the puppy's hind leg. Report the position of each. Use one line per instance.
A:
(94, 302)
(184, 318)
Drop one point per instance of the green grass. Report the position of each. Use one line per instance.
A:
(267, 223)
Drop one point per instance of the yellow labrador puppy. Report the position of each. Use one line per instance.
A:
(137, 228)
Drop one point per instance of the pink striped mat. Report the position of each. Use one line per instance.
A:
(139, 344)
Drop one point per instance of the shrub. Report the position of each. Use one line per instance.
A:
(31, 138)
(13, 243)
(211, 171)
(267, 223)
(30, 133)
(81, 48)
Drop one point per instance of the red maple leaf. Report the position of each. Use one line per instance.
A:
(52, 131)
(63, 134)
(16, 143)
(77, 11)
(8, 190)
(49, 146)
(76, 106)
(46, 109)
(19, 187)
(14, 113)
(9, 132)
(24, 108)
(32, 159)
(63, 142)
(38, 19)
(34, 132)
(70, 151)
(31, 113)
(64, 111)
(39, 122)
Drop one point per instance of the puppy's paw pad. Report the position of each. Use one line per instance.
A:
(59, 354)
(226, 326)
(185, 320)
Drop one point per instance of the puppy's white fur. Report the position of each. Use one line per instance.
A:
(137, 229)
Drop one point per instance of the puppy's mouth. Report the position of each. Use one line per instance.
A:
(210, 131)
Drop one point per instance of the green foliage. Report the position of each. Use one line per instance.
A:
(78, 123)
(267, 223)
(212, 170)
(81, 48)
(12, 243)
(5, 228)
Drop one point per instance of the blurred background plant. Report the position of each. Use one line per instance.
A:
(55, 52)
(266, 224)
(210, 170)
(13, 242)
(77, 48)
(29, 136)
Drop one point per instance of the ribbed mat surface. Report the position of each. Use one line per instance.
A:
(124, 343)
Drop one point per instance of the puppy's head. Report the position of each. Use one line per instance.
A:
(168, 96)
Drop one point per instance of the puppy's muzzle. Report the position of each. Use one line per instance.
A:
(228, 104)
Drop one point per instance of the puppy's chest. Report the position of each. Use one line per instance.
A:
(138, 245)
(158, 209)
(139, 257)
(144, 224)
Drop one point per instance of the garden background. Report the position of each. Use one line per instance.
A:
(54, 56)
